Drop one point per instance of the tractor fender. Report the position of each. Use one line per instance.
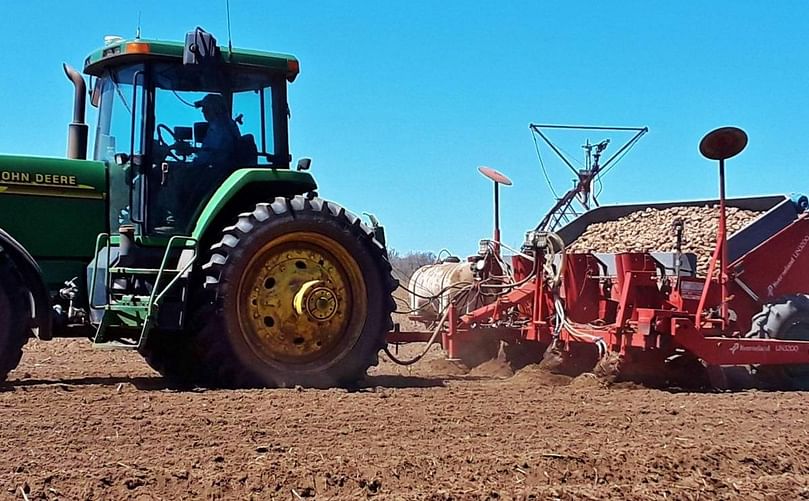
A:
(32, 278)
(246, 187)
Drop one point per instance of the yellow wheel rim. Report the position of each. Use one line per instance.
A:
(301, 296)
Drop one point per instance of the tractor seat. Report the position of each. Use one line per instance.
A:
(246, 151)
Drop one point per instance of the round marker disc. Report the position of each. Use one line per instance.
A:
(723, 143)
(495, 175)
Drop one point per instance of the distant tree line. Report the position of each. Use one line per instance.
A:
(405, 264)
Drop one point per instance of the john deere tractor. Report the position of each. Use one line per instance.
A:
(188, 236)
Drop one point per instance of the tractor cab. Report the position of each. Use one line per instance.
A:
(176, 119)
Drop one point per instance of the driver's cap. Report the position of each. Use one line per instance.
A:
(211, 101)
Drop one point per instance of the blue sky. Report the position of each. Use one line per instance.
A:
(399, 102)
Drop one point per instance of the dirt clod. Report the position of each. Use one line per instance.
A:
(496, 368)
(587, 380)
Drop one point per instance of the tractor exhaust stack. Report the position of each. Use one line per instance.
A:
(77, 130)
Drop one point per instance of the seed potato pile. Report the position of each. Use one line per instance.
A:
(652, 230)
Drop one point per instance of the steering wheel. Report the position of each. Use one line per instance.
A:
(170, 148)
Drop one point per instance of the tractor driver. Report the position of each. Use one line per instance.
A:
(218, 148)
(211, 165)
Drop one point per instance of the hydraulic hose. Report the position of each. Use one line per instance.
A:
(415, 359)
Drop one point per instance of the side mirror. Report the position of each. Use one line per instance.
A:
(95, 94)
(183, 133)
(304, 164)
(200, 47)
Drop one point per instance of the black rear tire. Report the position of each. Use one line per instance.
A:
(787, 318)
(174, 355)
(251, 334)
(14, 316)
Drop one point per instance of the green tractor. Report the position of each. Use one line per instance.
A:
(188, 236)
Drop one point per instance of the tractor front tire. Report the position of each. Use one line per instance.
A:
(14, 316)
(300, 294)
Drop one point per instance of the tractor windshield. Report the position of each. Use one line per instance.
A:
(189, 100)
(185, 129)
(209, 122)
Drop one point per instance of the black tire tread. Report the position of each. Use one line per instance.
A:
(16, 332)
(220, 364)
(173, 356)
(770, 323)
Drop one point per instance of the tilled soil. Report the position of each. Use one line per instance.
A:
(84, 424)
